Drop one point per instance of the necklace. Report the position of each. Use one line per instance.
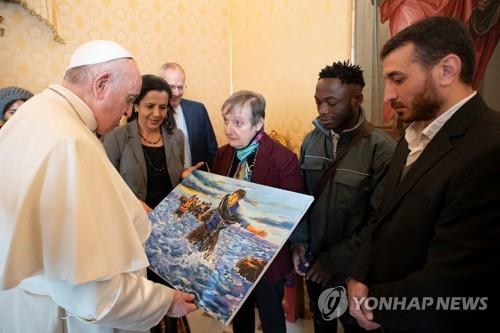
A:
(150, 142)
(151, 164)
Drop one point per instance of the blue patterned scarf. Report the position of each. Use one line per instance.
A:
(244, 171)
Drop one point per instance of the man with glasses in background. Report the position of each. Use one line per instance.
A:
(200, 144)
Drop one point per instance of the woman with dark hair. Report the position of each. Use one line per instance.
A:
(253, 156)
(148, 152)
(11, 98)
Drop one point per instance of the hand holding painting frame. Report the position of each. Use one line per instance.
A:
(215, 236)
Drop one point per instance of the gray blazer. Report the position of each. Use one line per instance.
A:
(124, 149)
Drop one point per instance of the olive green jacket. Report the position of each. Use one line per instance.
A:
(331, 228)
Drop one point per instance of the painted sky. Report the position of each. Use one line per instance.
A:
(265, 207)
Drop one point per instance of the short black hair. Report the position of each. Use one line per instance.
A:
(346, 72)
(152, 82)
(434, 38)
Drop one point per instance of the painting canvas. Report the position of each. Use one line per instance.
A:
(215, 236)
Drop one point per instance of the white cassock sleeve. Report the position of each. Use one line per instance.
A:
(128, 301)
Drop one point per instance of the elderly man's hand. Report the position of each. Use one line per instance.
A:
(181, 305)
(357, 293)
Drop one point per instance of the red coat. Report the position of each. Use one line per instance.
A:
(274, 166)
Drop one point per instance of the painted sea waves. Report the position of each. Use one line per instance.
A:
(215, 236)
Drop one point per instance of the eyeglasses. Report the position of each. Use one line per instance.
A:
(179, 88)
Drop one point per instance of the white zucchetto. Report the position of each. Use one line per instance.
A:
(96, 52)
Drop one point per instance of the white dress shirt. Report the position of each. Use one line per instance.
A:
(181, 124)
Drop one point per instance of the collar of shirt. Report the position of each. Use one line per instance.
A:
(361, 119)
(180, 121)
(418, 135)
(83, 111)
(178, 109)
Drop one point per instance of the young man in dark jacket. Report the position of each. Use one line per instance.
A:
(329, 233)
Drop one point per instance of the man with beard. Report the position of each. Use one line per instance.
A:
(437, 232)
(343, 161)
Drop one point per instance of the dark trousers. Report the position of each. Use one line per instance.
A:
(322, 326)
(268, 297)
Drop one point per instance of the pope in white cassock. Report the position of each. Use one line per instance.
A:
(71, 231)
